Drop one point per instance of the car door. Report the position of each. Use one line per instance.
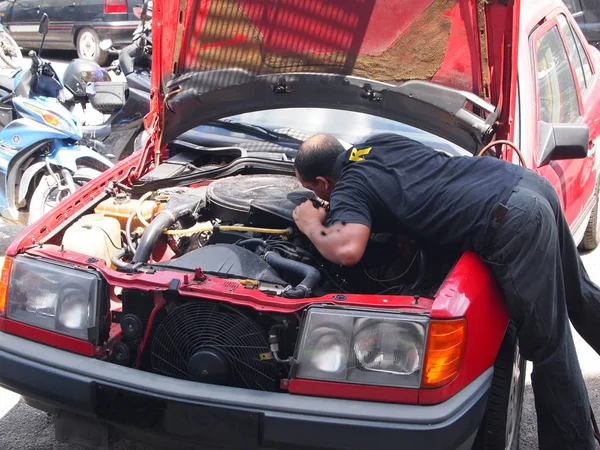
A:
(62, 14)
(564, 80)
(23, 23)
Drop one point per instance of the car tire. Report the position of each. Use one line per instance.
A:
(88, 46)
(591, 238)
(500, 427)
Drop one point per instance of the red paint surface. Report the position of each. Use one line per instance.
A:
(47, 337)
(353, 27)
(354, 391)
(159, 303)
(368, 27)
(461, 67)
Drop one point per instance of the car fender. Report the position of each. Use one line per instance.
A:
(66, 157)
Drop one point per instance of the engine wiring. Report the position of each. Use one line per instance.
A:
(397, 277)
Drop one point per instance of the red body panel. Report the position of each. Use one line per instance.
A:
(469, 290)
(47, 337)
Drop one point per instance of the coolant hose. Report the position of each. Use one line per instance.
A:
(310, 274)
(116, 259)
(163, 219)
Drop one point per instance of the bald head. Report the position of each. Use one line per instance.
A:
(316, 157)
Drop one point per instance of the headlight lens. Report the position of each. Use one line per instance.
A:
(53, 297)
(362, 347)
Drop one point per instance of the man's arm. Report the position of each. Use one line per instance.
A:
(342, 243)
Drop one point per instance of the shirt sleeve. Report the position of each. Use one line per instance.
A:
(350, 202)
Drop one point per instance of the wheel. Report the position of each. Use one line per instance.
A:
(500, 427)
(591, 238)
(10, 53)
(46, 195)
(88, 46)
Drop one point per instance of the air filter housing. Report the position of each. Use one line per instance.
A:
(256, 199)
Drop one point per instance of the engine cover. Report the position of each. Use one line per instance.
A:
(228, 260)
(254, 199)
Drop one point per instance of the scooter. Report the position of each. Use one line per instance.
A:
(41, 159)
(126, 103)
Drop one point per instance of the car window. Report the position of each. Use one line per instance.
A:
(580, 60)
(558, 96)
(573, 5)
(587, 67)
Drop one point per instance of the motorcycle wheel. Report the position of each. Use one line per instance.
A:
(46, 195)
(10, 53)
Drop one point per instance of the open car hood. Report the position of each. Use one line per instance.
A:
(434, 64)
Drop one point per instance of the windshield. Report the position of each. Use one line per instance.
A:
(348, 126)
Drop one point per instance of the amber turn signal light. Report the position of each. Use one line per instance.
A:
(4, 280)
(445, 350)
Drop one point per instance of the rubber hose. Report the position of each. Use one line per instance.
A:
(116, 258)
(252, 241)
(310, 274)
(164, 219)
(128, 230)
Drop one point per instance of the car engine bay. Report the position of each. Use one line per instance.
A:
(238, 227)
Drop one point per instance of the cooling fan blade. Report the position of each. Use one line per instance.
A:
(213, 343)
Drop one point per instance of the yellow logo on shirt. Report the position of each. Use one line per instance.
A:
(359, 154)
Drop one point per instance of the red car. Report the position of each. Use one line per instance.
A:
(172, 299)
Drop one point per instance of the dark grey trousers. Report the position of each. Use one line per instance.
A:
(536, 263)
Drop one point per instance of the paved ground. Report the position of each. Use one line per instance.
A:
(23, 428)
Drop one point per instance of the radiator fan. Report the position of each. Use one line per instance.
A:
(214, 343)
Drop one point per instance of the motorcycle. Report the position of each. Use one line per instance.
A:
(126, 103)
(10, 53)
(41, 157)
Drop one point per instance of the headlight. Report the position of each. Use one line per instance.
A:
(362, 347)
(54, 297)
(48, 116)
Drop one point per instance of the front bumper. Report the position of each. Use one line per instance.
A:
(167, 411)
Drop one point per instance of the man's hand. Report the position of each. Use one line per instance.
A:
(341, 243)
(307, 216)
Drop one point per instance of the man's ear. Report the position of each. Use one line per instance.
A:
(324, 182)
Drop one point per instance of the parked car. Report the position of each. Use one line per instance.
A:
(587, 15)
(75, 24)
(173, 300)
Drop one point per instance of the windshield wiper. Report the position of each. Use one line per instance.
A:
(254, 130)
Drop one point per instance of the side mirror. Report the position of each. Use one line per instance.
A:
(43, 30)
(562, 141)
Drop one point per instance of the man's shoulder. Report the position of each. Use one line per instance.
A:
(387, 138)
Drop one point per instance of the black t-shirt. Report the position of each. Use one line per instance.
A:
(391, 183)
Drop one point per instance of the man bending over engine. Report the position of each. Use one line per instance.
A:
(508, 214)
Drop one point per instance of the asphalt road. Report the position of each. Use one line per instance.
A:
(24, 428)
